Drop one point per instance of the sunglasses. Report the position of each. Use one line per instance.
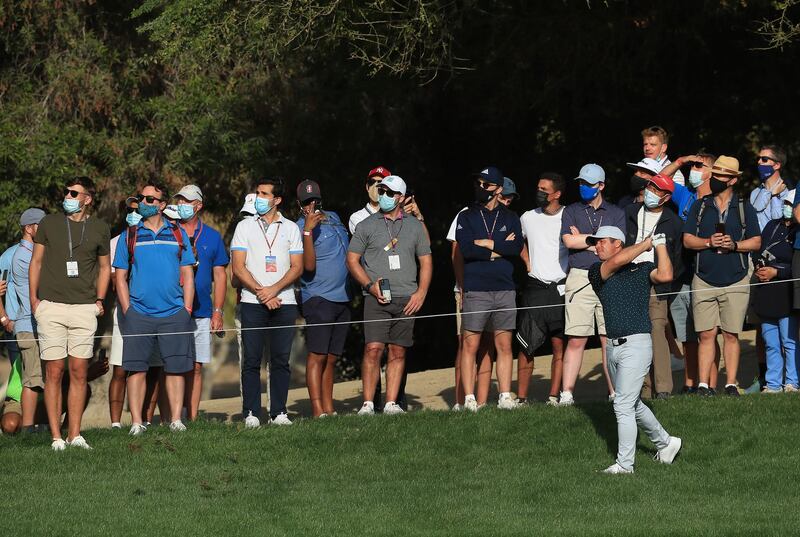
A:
(764, 160)
(130, 210)
(383, 190)
(372, 181)
(698, 165)
(484, 185)
(71, 193)
(149, 199)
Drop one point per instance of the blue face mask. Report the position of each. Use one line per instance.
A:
(146, 211)
(765, 171)
(133, 218)
(651, 200)
(185, 211)
(695, 178)
(387, 203)
(588, 193)
(262, 206)
(71, 205)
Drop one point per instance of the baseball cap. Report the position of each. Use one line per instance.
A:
(190, 193)
(592, 174)
(379, 171)
(663, 182)
(307, 190)
(509, 188)
(394, 183)
(171, 212)
(31, 216)
(130, 200)
(491, 174)
(650, 165)
(606, 232)
(249, 206)
(788, 199)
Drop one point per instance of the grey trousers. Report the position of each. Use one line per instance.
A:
(628, 364)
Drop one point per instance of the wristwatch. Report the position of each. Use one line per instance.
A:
(218, 310)
(306, 233)
(368, 287)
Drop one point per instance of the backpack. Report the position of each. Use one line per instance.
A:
(131, 237)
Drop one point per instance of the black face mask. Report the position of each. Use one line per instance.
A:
(482, 196)
(717, 186)
(541, 199)
(637, 184)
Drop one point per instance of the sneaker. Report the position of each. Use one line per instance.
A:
(732, 390)
(323, 415)
(391, 408)
(755, 387)
(367, 409)
(712, 392)
(251, 422)
(177, 426)
(689, 390)
(522, 401)
(137, 429)
(668, 454)
(617, 469)
(507, 402)
(663, 395)
(552, 400)
(281, 419)
(790, 389)
(771, 390)
(678, 364)
(470, 404)
(80, 442)
(147, 424)
(457, 408)
(702, 391)
(566, 399)
(58, 445)
(116, 425)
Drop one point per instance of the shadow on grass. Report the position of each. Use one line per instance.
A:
(601, 416)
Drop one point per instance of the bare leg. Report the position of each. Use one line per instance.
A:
(371, 369)
(116, 394)
(152, 395)
(29, 399)
(486, 357)
(327, 384)
(76, 398)
(469, 349)
(136, 389)
(52, 395)
(175, 385)
(459, 384)
(731, 342)
(573, 358)
(557, 365)
(395, 364)
(194, 388)
(314, 366)
(690, 373)
(705, 354)
(505, 360)
(524, 371)
(10, 423)
(714, 376)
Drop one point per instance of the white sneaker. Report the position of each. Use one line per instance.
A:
(177, 426)
(58, 445)
(251, 422)
(566, 399)
(668, 454)
(323, 415)
(116, 425)
(552, 400)
(617, 469)
(471, 404)
(506, 401)
(137, 429)
(790, 389)
(457, 408)
(281, 419)
(678, 364)
(391, 408)
(367, 409)
(80, 442)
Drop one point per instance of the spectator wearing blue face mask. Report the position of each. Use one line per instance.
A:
(767, 199)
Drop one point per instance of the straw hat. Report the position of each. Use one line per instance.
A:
(725, 165)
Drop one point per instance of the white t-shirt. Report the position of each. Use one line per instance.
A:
(647, 221)
(547, 253)
(451, 236)
(358, 216)
(250, 237)
(113, 250)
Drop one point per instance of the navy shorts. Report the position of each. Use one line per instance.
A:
(326, 339)
(177, 350)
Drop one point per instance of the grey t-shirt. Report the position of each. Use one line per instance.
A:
(372, 240)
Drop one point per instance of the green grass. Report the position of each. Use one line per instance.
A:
(531, 471)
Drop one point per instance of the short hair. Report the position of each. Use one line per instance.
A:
(559, 184)
(278, 185)
(658, 131)
(158, 185)
(777, 151)
(85, 182)
(707, 156)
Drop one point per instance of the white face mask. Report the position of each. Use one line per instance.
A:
(695, 178)
(651, 200)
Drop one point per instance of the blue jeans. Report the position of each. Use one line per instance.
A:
(780, 338)
(257, 316)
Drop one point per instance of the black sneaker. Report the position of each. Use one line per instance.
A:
(732, 390)
(705, 392)
(712, 392)
(689, 390)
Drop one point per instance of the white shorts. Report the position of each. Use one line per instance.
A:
(115, 355)
(202, 340)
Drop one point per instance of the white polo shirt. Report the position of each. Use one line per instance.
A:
(359, 216)
(280, 240)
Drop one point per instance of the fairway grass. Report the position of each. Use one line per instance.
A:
(532, 471)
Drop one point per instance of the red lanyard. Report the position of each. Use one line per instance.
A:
(264, 231)
(486, 226)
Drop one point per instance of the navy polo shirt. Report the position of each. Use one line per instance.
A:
(329, 281)
(588, 220)
(721, 269)
(625, 297)
(211, 252)
(155, 285)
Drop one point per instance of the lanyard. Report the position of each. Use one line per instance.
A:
(264, 231)
(393, 240)
(642, 226)
(69, 234)
(486, 226)
(591, 224)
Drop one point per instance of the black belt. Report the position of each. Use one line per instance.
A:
(619, 341)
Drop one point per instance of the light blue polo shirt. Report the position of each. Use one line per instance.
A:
(155, 286)
(329, 281)
(12, 294)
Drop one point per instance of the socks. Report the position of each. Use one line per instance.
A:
(703, 385)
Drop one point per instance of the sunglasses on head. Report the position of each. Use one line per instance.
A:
(149, 199)
(386, 191)
(764, 159)
(71, 193)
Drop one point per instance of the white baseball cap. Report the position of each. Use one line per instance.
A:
(249, 206)
(592, 174)
(606, 232)
(394, 183)
(790, 197)
(650, 165)
(190, 193)
(171, 212)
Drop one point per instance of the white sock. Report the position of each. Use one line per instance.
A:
(734, 385)
(703, 385)
(116, 425)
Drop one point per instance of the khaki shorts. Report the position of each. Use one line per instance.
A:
(12, 407)
(66, 329)
(583, 308)
(31, 360)
(458, 312)
(719, 306)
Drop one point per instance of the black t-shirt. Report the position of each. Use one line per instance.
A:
(625, 297)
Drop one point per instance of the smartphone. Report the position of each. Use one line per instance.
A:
(5, 275)
(720, 228)
(386, 290)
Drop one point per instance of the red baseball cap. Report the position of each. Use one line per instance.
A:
(380, 171)
(663, 182)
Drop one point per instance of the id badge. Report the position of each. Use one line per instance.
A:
(272, 263)
(72, 269)
(394, 262)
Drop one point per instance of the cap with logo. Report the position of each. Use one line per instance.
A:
(509, 188)
(394, 183)
(379, 171)
(190, 193)
(592, 174)
(171, 212)
(249, 206)
(663, 182)
(492, 175)
(307, 190)
(649, 165)
(31, 216)
(606, 232)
